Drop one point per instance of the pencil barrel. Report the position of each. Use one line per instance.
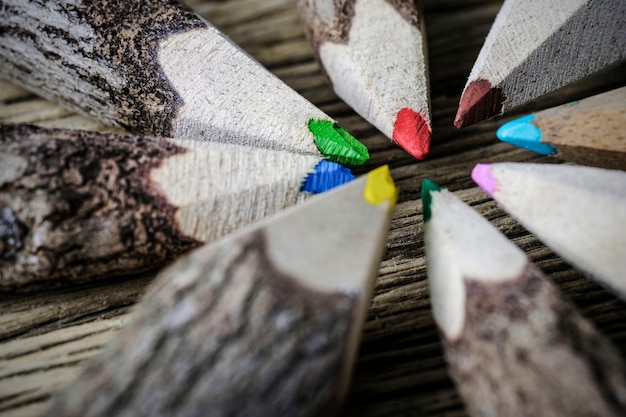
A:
(78, 205)
(222, 333)
(526, 351)
(96, 58)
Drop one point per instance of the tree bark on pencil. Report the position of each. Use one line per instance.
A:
(77, 205)
(224, 334)
(526, 351)
(85, 49)
(72, 207)
(514, 346)
(157, 68)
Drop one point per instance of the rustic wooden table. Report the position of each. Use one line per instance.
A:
(46, 338)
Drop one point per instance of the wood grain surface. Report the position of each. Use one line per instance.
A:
(47, 338)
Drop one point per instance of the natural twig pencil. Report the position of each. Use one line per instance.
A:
(537, 46)
(264, 322)
(579, 212)
(591, 131)
(374, 54)
(514, 346)
(76, 204)
(157, 68)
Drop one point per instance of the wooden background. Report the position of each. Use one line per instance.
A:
(46, 338)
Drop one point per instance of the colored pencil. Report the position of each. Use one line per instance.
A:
(77, 205)
(513, 345)
(374, 55)
(579, 212)
(591, 131)
(264, 322)
(157, 68)
(537, 46)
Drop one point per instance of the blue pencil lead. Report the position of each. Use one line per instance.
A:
(327, 175)
(523, 133)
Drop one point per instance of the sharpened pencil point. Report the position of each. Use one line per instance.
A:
(428, 187)
(327, 175)
(481, 174)
(479, 101)
(380, 187)
(335, 143)
(412, 133)
(522, 132)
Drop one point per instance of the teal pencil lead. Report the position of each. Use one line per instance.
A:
(428, 187)
(523, 133)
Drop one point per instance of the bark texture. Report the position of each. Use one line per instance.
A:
(526, 351)
(222, 333)
(321, 28)
(76, 205)
(103, 52)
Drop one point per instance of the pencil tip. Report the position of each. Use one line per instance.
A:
(327, 175)
(524, 133)
(481, 174)
(380, 187)
(335, 143)
(428, 187)
(412, 133)
(479, 101)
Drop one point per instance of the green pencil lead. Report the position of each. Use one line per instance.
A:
(427, 188)
(337, 144)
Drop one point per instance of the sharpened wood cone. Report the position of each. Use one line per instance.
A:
(263, 322)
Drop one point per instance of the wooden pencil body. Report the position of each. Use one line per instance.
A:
(536, 47)
(77, 205)
(225, 333)
(152, 67)
(577, 211)
(373, 52)
(513, 345)
(590, 131)
(263, 322)
(525, 351)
